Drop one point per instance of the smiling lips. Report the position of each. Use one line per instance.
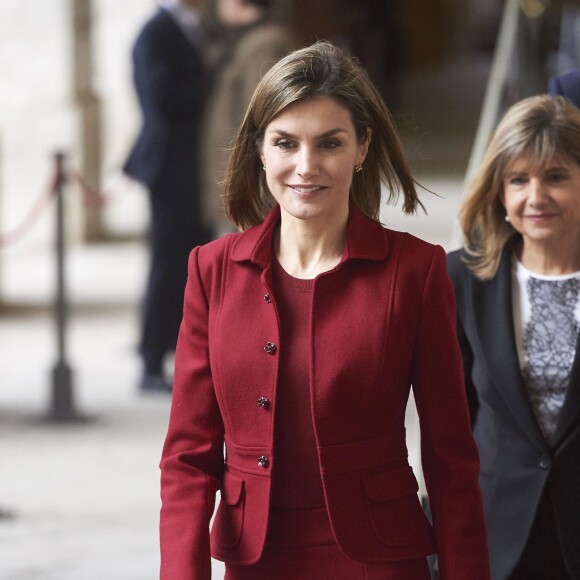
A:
(540, 217)
(304, 190)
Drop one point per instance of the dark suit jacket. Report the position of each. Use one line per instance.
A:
(382, 320)
(516, 462)
(567, 85)
(170, 83)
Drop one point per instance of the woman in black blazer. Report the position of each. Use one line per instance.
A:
(517, 284)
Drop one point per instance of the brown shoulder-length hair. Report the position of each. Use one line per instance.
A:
(537, 128)
(318, 71)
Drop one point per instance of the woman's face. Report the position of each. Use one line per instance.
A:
(543, 204)
(309, 152)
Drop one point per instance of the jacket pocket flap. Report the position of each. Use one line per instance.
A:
(391, 484)
(232, 488)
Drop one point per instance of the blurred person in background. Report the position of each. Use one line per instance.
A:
(170, 82)
(247, 42)
(301, 339)
(517, 285)
(380, 43)
(566, 85)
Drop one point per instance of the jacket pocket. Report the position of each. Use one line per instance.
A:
(394, 508)
(229, 519)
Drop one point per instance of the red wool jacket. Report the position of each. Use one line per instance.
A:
(383, 321)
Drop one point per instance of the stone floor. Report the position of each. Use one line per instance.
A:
(83, 494)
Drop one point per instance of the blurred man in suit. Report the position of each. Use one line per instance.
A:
(567, 85)
(170, 81)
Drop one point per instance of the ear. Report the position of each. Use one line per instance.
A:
(364, 145)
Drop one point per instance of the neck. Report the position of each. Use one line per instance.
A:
(549, 260)
(306, 249)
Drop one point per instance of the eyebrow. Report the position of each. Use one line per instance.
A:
(329, 133)
(545, 169)
(556, 168)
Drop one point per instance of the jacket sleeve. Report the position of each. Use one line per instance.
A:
(192, 459)
(448, 451)
(458, 272)
(467, 359)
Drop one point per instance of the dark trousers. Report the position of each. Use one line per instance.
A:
(175, 230)
(542, 558)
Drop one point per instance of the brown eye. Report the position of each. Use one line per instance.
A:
(283, 144)
(557, 177)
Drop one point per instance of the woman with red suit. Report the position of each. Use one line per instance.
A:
(301, 339)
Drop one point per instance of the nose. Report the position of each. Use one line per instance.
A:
(306, 163)
(537, 192)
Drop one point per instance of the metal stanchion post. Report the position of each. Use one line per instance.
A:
(62, 400)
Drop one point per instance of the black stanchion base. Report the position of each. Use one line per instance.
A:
(62, 403)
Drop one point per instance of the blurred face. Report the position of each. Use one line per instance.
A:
(228, 11)
(543, 204)
(310, 151)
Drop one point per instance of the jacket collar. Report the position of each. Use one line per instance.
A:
(365, 239)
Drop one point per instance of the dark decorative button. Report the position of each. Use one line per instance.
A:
(263, 461)
(267, 298)
(270, 348)
(544, 463)
(263, 403)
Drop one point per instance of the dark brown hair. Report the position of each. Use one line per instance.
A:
(318, 71)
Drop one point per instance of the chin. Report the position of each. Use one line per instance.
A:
(304, 211)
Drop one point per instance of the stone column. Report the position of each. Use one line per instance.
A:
(88, 107)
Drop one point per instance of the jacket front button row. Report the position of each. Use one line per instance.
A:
(263, 461)
(270, 348)
(263, 403)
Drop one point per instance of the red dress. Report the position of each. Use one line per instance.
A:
(300, 544)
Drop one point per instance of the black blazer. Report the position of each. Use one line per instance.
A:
(517, 464)
(170, 83)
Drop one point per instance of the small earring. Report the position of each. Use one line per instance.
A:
(358, 168)
(507, 219)
(264, 167)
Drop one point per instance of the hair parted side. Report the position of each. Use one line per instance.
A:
(537, 128)
(318, 71)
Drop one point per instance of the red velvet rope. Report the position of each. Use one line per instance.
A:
(33, 214)
(94, 198)
(91, 198)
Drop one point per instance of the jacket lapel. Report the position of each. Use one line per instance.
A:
(494, 321)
